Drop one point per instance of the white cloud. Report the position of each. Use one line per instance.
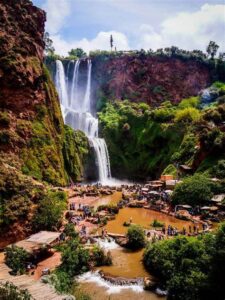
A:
(148, 38)
(188, 30)
(100, 42)
(56, 14)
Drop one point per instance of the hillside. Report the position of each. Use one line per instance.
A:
(34, 145)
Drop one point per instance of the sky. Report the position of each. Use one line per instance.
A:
(134, 24)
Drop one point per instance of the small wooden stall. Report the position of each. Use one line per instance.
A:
(39, 242)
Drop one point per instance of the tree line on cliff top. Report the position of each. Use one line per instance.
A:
(173, 51)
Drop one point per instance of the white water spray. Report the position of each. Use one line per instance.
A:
(77, 113)
(61, 83)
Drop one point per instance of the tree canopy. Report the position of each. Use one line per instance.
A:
(212, 49)
(194, 190)
(78, 52)
(190, 267)
(136, 237)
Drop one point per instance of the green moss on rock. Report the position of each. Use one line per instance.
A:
(75, 153)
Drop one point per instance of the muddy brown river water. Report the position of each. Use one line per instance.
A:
(126, 263)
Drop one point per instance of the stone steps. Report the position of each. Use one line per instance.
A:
(37, 289)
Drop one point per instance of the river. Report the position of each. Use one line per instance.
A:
(126, 263)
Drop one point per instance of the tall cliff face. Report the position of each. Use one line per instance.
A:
(150, 79)
(31, 124)
(35, 146)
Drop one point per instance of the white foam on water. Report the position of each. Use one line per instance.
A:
(107, 244)
(96, 278)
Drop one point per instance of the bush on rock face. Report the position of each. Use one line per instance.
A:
(136, 237)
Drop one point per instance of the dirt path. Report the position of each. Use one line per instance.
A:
(37, 289)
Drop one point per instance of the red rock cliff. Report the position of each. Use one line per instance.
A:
(151, 79)
(31, 125)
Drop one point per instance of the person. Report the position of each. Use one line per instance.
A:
(131, 220)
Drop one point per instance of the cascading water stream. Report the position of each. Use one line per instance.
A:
(77, 112)
(60, 82)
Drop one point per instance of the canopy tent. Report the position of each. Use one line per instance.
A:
(38, 241)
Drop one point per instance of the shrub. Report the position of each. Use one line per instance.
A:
(190, 267)
(61, 281)
(156, 223)
(186, 150)
(100, 258)
(189, 102)
(75, 259)
(187, 115)
(219, 169)
(70, 230)
(4, 119)
(136, 237)
(113, 209)
(9, 291)
(194, 190)
(49, 213)
(16, 259)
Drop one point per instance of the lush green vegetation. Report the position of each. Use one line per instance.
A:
(16, 258)
(75, 153)
(24, 200)
(190, 267)
(135, 237)
(17, 193)
(194, 190)
(156, 223)
(100, 258)
(133, 134)
(49, 213)
(159, 139)
(76, 259)
(8, 291)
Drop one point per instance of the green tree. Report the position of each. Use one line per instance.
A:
(217, 263)
(49, 212)
(194, 190)
(70, 231)
(75, 259)
(136, 237)
(182, 264)
(100, 258)
(78, 52)
(16, 259)
(111, 42)
(212, 49)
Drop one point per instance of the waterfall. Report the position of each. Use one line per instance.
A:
(87, 97)
(74, 97)
(77, 112)
(60, 82)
